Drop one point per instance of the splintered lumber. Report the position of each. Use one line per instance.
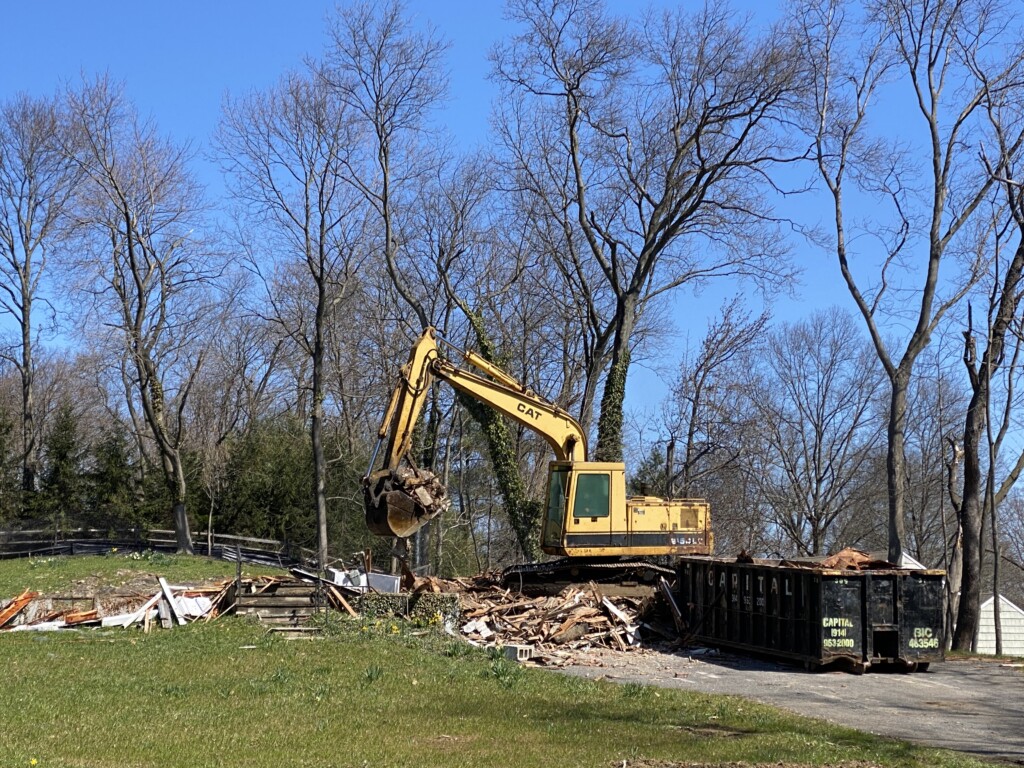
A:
(172, 604)
(576, 618)
(570, 630)
(140, 614)
(630, 627)
(81, 617)
(218, 602)
(342, 602)
(16, 606)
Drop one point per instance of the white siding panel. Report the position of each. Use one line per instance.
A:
(1011, 620)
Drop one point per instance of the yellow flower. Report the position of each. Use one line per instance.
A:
(33, 761)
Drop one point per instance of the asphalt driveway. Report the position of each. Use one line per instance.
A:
(975, 707)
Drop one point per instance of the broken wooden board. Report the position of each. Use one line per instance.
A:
(81, 617)
(16, 606)
(576, 618)
(171, 602)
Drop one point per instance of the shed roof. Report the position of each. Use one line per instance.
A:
(1004, 605)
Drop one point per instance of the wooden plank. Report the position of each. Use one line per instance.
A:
(140, 614)
(81, 617)
(17, 605)
(343, 602)
(165, 587)
(165, 613)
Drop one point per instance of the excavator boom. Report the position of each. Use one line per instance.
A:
(400, 497)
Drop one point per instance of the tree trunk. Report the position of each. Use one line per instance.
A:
(971, 512)
(30, 463)
(895, 463)
(316, 430)
(609, 423)
(524, 514)
(954, 582)
(176, 478)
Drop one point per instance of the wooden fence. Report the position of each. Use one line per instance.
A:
(47, 542)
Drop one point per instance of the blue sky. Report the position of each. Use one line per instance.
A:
(178, 60)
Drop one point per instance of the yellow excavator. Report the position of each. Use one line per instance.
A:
(589, 520)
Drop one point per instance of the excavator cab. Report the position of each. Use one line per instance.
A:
(584, 506)
(589, 515)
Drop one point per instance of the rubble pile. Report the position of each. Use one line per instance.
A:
(578, 618)
(170, 605)
(548, 629)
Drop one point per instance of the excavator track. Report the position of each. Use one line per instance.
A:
(627, 578)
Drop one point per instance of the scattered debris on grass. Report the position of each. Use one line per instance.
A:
(32, 611)
(16, 606)
(547, 630)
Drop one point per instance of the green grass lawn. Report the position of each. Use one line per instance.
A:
(370, 693)
(228, 694)
(63, 574)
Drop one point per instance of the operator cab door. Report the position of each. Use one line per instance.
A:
(590, 524)
(555, 516)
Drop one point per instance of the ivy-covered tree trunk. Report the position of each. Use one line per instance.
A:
(524, 514)
(609, 423)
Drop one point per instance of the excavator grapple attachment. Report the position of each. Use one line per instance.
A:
(400, 502)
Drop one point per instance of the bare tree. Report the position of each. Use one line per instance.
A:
(1002, 348)
(390, 78)
(813, 396)
(287, 152)
(648, 144)
(36, 184)
(703, 425)
(930, 50)
(147, 271)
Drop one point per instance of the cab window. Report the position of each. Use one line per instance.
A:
(556, 496)
(591, 496)
(556, 508)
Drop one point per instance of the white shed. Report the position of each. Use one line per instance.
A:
(1011, 620)
(906, 561)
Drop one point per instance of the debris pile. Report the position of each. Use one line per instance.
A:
(554, 626)
(848, 559)
(548, 629)
(169, 606)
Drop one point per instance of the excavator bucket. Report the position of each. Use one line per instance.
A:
(401, 502)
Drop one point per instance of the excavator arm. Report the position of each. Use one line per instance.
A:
(400, 497)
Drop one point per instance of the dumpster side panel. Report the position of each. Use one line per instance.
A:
(815, 616)
(842, 625)
(793, 613)
(922, 622)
